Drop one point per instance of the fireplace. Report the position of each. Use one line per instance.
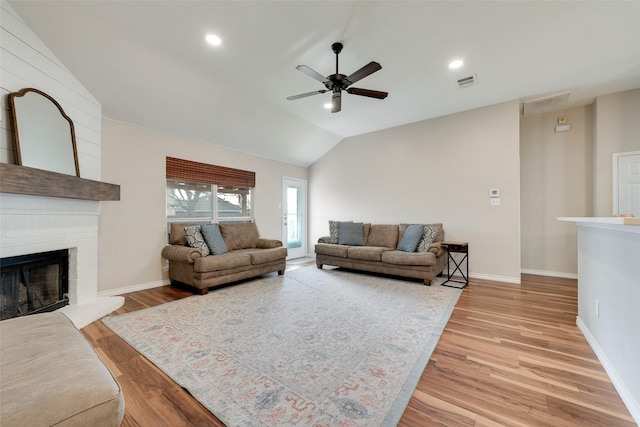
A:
(34, 283)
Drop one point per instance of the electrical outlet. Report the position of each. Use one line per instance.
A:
(495, 201)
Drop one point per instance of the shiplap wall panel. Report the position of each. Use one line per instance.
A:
(25, 61)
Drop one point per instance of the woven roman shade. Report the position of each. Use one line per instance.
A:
(187, 170)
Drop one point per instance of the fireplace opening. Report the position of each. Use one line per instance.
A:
(34, 283)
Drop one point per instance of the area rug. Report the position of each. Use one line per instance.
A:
(310, 348)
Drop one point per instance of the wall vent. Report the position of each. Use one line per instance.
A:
(468, 81)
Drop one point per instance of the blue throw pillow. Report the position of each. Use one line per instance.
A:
(351, 233)
(410, 238)
(213, 237)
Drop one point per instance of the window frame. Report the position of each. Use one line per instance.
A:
(215, 217)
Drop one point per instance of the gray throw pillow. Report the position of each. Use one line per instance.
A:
(351, 233)
(213, 237)
(428, 236)
(410, 238)
(195, 239)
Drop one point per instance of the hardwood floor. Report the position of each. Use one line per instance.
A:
(511, 355)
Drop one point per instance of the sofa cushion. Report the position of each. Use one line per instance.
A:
(195, 239)
(332, 250)
(408, 258)
(351, 233)
(367, 253)
(383, 235)
(410, 238)
(176, 233)
(264, 256)
(213, 237)
(429, 235)
(221, 262)
(240, 236)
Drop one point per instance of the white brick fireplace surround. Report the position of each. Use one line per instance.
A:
(32, 224)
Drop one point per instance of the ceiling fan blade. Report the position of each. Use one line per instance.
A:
(368, 92)
(363, 72)
(312, 73)
(304, 95)
(336, 101)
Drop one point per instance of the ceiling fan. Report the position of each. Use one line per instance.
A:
(338, 82)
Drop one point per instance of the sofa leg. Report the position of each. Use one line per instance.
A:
(427, 282)
(204, 291)
(280, 272)
(320, 266)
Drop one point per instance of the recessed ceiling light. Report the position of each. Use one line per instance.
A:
(328, 105)
(456, 64)
(212, 39)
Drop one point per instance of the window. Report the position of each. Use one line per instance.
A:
(194, 202)
(191, 187)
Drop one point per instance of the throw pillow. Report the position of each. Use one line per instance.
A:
(333, 231)
(351, 233)
(213, 238)
(428, 236)
(411, 238)
(195, 239)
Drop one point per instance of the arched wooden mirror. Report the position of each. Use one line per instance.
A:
(44, 135)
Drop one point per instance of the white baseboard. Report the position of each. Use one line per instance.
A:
(632, 405)
(549, 273)
(506, 279)
(134, 288)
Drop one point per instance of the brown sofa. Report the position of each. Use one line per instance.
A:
(52, 376)
(379, 252)
(248, 256)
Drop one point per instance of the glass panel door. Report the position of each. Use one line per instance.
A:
(294, 217)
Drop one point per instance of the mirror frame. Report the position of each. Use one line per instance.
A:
(16, 130)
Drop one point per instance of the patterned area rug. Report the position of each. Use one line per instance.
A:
(310, 348)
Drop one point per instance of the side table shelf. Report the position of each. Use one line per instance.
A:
(459, 248)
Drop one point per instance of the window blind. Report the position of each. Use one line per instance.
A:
(187, 170)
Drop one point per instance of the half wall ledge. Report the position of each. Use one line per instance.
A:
(37, 182)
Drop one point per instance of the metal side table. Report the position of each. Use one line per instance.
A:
(459, 248)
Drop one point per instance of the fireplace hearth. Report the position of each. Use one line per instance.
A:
(34, 283)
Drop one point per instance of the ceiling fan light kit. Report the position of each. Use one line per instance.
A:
(337, 82)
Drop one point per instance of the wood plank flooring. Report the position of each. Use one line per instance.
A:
(511, 355)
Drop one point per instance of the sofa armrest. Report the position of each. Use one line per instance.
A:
(181, 253)
(268, 243)
(437, 249)
(324, 239)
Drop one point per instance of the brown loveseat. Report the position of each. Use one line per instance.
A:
(377, 251)
(247, 256)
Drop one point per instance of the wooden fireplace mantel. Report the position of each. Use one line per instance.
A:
(37, 182)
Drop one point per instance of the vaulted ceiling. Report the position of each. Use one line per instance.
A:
(149, 65)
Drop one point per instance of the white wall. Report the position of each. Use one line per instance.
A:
(31, 224)
(556, 181)
(608, 276)
(437, 170)
(26, 62)
(133, 231)
(616, 129)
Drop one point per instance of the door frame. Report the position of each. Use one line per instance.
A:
(616, 172)
(302, 184)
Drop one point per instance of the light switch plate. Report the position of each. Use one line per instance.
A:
(494, 192)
